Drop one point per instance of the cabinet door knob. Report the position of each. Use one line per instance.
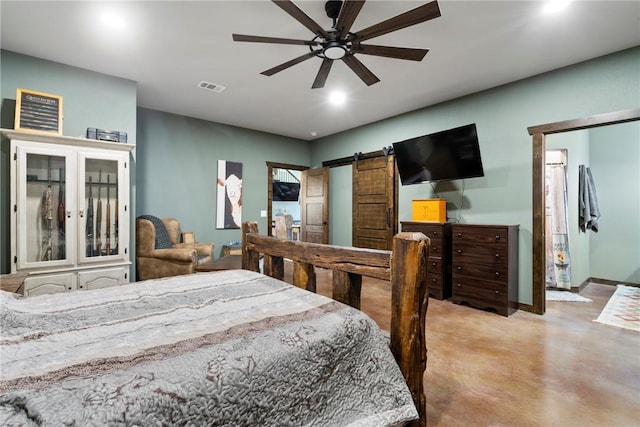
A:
(81, 214)
(68, 214)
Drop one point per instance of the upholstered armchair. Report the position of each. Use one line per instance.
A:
(155, 254)
(187, 240)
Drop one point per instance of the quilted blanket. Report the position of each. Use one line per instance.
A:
(233, 348)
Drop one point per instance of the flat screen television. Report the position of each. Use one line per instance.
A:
(285, 191)
(441, 156)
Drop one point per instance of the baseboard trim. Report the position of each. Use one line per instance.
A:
(609, 282)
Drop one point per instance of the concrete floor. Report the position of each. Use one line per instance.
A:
(559, 369)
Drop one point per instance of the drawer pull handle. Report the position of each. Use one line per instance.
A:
(459, 285)
(434, 264)
(497, 292)
(434, 248)
(435, 233)
(497, 255)
(433, 280)
(497, 237)
(459, 234)
(459, 251)
(459, 268)
(497, 273)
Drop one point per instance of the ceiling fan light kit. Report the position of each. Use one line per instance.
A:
(339, 43)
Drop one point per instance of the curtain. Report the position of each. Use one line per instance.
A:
(558, 271)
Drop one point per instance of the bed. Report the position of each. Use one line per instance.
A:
(237, 347)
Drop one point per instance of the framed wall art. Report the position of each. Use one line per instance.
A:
(38, 112)
(229, 195)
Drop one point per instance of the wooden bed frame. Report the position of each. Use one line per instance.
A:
(404, 266)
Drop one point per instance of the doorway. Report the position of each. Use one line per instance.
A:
(539, 134)
(283, 181)
(301, 195)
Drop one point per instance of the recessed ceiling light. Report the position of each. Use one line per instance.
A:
(554, 6)
(112, 20)
(337, 98)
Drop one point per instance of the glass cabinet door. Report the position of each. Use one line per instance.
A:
(100, 191)
(44, 203)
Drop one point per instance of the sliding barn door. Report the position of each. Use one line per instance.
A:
(314, 205)
(375, 197)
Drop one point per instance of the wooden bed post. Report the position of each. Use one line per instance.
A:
(409, 301)
(250, 257)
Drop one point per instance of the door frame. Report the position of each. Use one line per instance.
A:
(270, 167)
(539, 134)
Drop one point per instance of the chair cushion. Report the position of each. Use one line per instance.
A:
(162, 236)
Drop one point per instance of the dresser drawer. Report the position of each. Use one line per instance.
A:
(481, 294)
(478, 234)
(497, 273)
(494, 254)
(435, 266)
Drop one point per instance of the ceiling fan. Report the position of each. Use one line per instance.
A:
(339, 43)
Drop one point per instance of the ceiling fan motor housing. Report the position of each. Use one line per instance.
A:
(332, 7)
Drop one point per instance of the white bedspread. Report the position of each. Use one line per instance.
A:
(229, 348)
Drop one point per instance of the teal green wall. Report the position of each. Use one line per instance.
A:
(502, 116)
(177, 165)
(615, 160)
(89, 100)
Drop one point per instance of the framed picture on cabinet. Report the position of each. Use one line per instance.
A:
(38, 112)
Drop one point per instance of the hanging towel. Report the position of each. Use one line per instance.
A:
(588, 209)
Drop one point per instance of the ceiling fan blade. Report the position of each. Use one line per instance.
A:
(363, 72)
(415, 16)
(301, 17)
(323, 73)
(260, 39)
(408, 53)
(284, 66)
(348, 13)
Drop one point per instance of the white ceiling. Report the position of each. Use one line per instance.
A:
(168, 47)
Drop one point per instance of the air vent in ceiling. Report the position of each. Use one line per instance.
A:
(211, 86)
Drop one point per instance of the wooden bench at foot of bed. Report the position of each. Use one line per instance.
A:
(404, 266)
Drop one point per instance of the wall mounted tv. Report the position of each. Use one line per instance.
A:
(446, 155)
(285, 191)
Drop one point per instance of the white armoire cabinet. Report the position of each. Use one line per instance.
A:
(69, 209)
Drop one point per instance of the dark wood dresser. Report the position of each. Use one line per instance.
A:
(439, 260)
(484, 265)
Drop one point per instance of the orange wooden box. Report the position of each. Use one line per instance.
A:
(430, 210)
